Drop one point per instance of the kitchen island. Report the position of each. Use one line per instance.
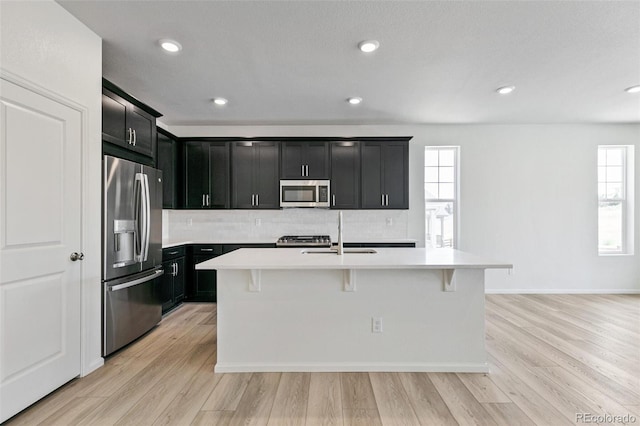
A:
(398, 309)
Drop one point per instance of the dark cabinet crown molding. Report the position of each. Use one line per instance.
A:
(118, 91)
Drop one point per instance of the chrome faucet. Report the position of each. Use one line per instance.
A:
(340, 248)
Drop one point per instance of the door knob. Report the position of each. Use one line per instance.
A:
(76, 256)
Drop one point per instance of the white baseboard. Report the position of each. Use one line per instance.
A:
(97, 363)
(561, 291)
(232, 367)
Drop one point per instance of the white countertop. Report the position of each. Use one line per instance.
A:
(385, 258)
(174, 243)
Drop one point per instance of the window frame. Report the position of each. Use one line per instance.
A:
(455, 201)
(625, 199)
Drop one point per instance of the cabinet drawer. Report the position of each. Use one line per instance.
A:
(172, 252)
(206, 249)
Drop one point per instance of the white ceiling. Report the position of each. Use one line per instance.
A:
(295, 62)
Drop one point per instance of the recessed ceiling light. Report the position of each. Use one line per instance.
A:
(170, 46)
(505, 90)
(220, 101)
(633, 89)
(354, 100)
(368, 46)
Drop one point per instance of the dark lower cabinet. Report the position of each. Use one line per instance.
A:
(201, 284)
(173, 279)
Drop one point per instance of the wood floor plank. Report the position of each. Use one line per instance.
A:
(71, 413)
(147, 409)
(462, 404)
(357, 392)
(534, 405)
(425, 399)
(393, 402)
(228, 392)
(361, 417)
(507, 414)
(212, 418)
(255, 405)
(290, 404)
(482, 388)
(187, 404)
(325, 400)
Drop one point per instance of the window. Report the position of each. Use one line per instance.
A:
(615, 199)
(441, 195)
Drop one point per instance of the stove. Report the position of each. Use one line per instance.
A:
(304, 241)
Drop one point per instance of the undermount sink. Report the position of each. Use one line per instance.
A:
(347, 250)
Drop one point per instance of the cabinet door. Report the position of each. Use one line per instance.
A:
(113, 119)
(196, 164)
(316, 160)
(166, 286)
(204, 282)
(242, 175)
(167, 162)
(371, 175)
(266, 182)
(396, 175)
(292, 160)
(179, 280)
(144, 126)
(218, 176)
(345, 175)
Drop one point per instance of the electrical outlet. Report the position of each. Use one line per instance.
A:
(389, 221)
(189, 222)
(258, 221)
(376, 324)
(510, 271)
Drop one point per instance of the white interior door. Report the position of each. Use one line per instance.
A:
(40, 226)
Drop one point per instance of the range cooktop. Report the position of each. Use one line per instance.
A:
(304, 241)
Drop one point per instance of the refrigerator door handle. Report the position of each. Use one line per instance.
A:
(139, 216)
(122, 286)
(147, 217)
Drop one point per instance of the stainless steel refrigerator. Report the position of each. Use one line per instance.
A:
(132, 251)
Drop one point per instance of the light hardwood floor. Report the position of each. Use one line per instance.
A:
(551, 357)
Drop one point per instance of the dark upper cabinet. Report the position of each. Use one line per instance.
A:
(385, 175)
(305, 160)
(126, 122)
(345, 174)
(167, 161)
(255, 177)
(206, 167)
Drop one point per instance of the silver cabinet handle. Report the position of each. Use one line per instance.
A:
(172, 252)
(130, 133)
(302, 170)
(386, 200)
(203, 203)
(382, 199)
(176, 268)
(173, 269)
(76, 256)
(206, 249)
(208, 203)
(333, 200)
(253, 199)
(257, 199)
(307, 168)
(134, 137)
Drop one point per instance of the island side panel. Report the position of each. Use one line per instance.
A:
(303, 320)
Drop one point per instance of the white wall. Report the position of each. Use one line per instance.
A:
(43, 45)
(528, 197)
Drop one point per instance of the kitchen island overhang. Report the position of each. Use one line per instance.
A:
(283, 310)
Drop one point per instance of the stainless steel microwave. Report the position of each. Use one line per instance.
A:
(304, 193)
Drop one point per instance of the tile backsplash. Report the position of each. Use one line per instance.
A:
(268, 225)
